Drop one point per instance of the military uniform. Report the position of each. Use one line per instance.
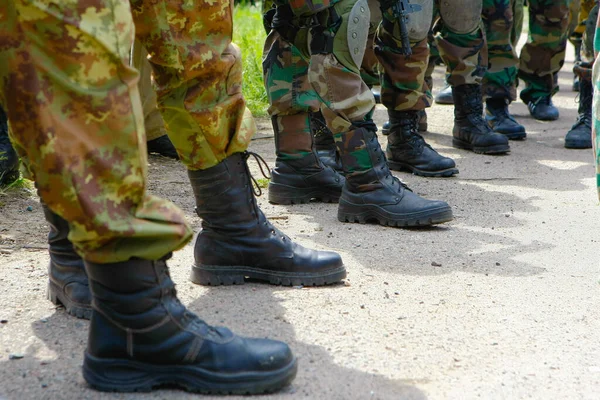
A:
(460, 41)
(596, 106)
(73, 102)
(311, 60)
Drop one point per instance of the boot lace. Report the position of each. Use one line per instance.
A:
(262, 164)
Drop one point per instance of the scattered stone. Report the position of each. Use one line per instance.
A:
(29, 208)
(44, 320)
(436, 264)
(44, 385)
(497, 264)
(15, 356)
(362, 306)
(3, 321)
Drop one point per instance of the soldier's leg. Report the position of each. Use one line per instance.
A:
(199, 76)
(499, 82)
(403, 95)
(156, 133)
(462, 46)
(543, 55)
(82, 135)
(299, 175)
(580, 134)
(371, 192)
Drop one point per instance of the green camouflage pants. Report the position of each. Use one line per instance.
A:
(544, 53)
(403, 84)
(299, 80)
(75, 111)
(501, 78)
(542, 56)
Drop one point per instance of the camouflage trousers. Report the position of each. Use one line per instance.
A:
(403, 83)
(75, 110)
(299, 80)
(153, 121)
(544, 53)
(542, 56)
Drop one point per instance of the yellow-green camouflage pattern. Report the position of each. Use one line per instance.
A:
(75, 111)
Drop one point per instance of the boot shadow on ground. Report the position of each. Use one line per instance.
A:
(52, 368)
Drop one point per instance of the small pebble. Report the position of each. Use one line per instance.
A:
(436, 264)
(29, 208)
(44, 320)
(497, 264)
(15, 356)
(3, 321)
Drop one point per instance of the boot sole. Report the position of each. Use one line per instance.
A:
(359, 213)
(209, 275)
(496, 149)
(77, 310)
(443, 173)
(514, 135)
(283, 194)
(118, 375)
(575, 144)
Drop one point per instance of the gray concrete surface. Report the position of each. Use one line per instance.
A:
(501, 303)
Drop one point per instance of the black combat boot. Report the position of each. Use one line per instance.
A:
(162, 145)
(142, 337)
(422, 126)
(9, 161)
(324, 142)
(237, 240)
(68, 283)
(304, 177)
(471, 131)
(501, 121)
(407, 150)
(580, 134)
(375, 195)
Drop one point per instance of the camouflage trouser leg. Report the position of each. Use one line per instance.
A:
(402, 86)
(291, 97)
(333, 75)
(153, 121)
(464, 53)
(369, 69)
(517, 29)
(198, 73)
(74, 106)
(500, 78)
(544, 53)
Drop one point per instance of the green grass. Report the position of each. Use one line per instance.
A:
(249, 35)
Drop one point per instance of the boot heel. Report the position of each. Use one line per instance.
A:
(216, 276)
(280, 194)
(51, 294)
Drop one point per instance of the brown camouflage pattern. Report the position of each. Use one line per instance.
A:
(75, 110)
(544, 53)
(298, 82)
(500, 80)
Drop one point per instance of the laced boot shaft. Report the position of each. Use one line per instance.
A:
(501, 121)
(68, 281)
(141, 336)
(580, 134)
(299, 175)
(408, 151)
(470, 130)
(237, 240)
(324, 142)
(373, 194)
